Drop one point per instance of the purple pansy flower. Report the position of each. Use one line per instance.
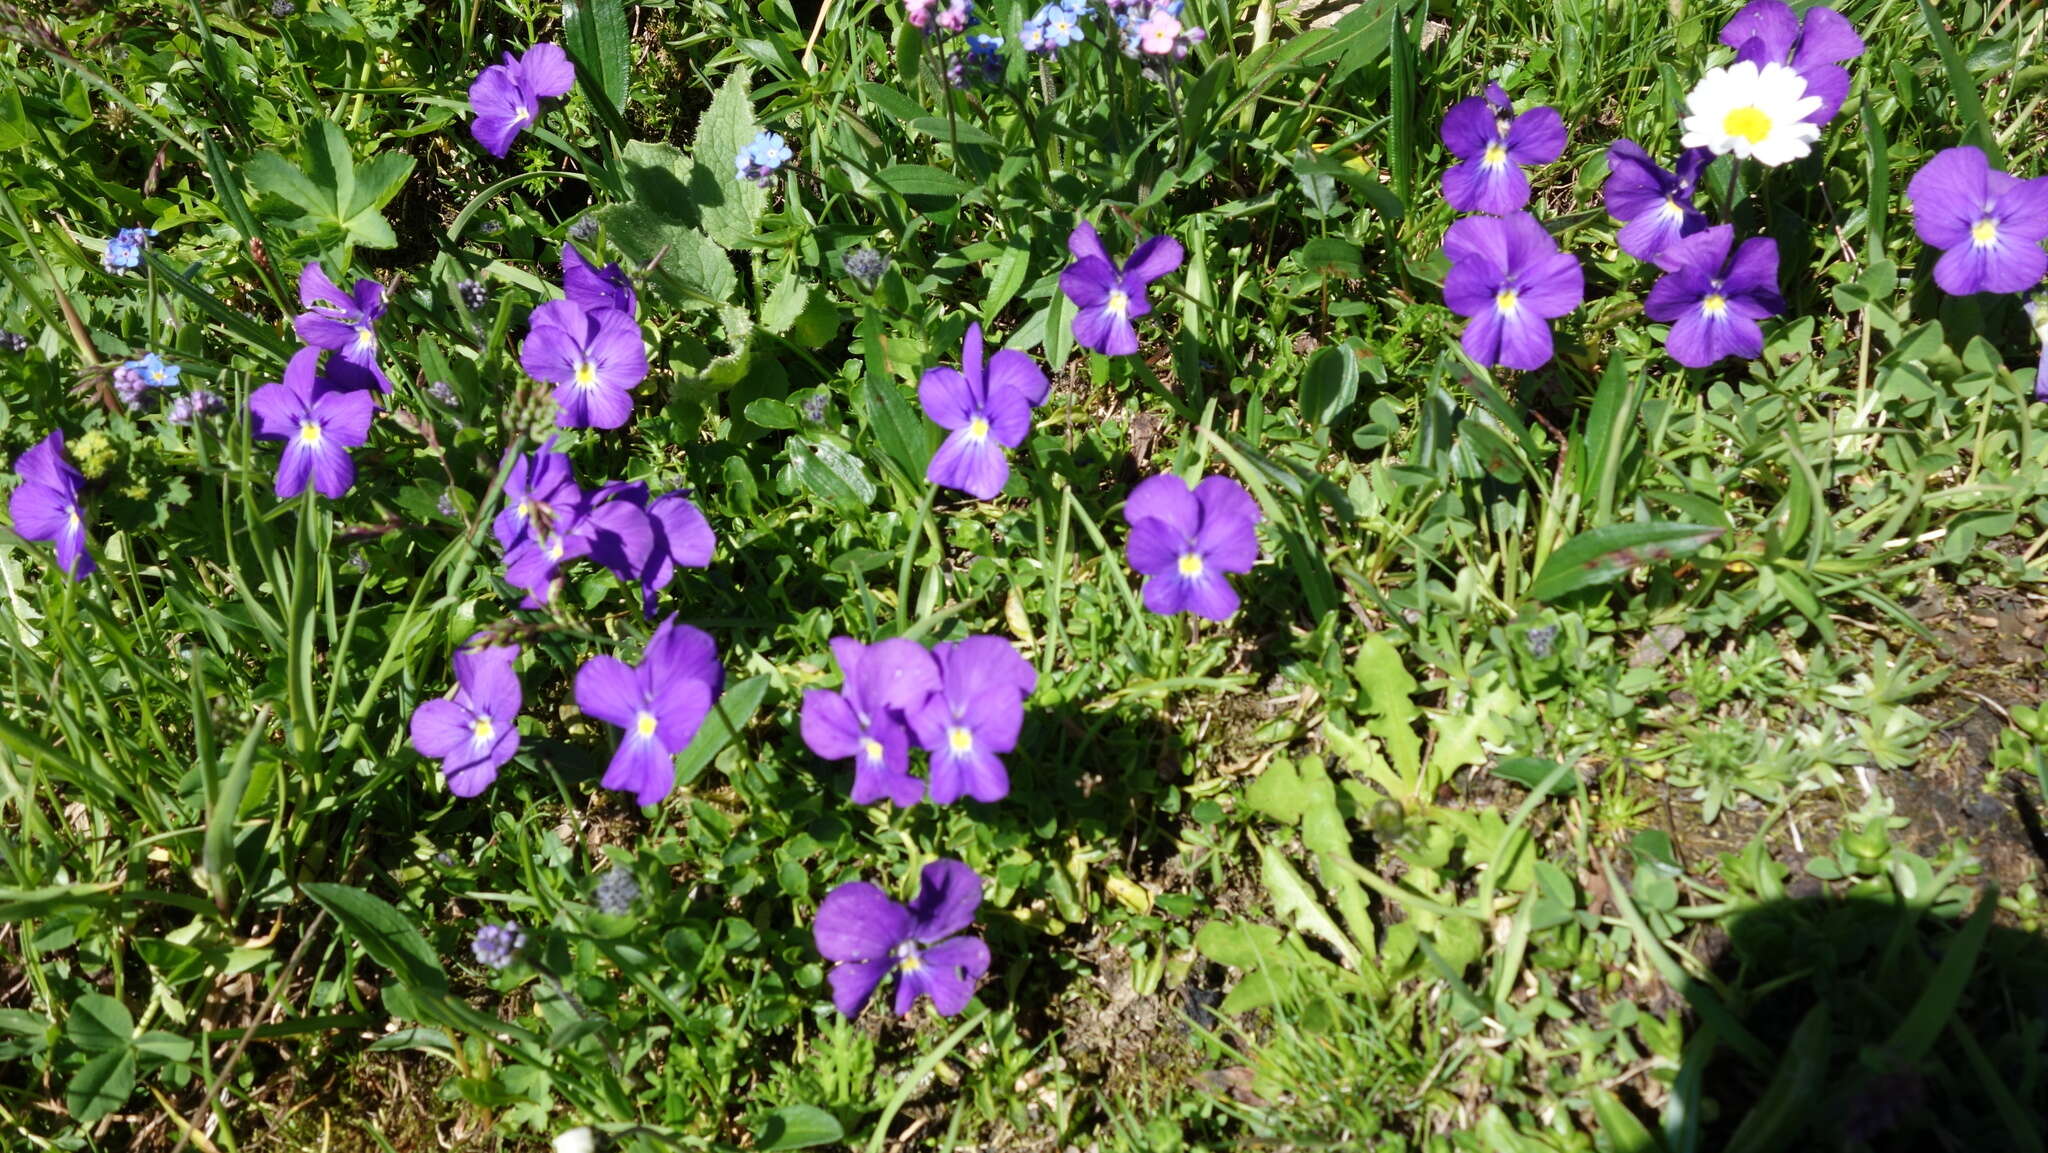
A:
(1185, 540)
(974, 715)
(592, 358)
(48, 504)
(596, 288)
(1712, 302)
(344, 323)
(506, 97)
(1989, 225)
(541, 495)
(476, 731)
(319, 417)
(1654, 205)
(682, 539)
(535, 563)
(1509, 278)
(988, 409)
(864, 720)
(1108, 298)
(658, 705)
(1492, 144)
(1769, 32)
(868, 936)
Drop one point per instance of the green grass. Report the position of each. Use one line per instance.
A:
(1587, 768)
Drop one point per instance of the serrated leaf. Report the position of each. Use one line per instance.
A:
(1604, 554)
(1296, 904)
(728, 206)
(384, 934)
(785, 304)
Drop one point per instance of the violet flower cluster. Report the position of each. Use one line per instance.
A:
(1108, 297)
(505, 98)
(588, 345)
(961, 701)
(1768, 105)
(985, 406)
(1507, 277)
(1150, 30)
(549, 521)
(1186, 541)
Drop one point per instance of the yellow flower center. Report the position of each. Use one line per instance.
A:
(365, 339)
(586, 374)
(871, 748)
(645, 724)
(1673, 210)
(1984, 233)
(1119, 303)
(1496, 156)
(1749, 122)
(959, 739)
(483, 730)
(554, 548)
(309, 432)
(1190, 565)
(1714, 305)
(977, 429)
(910, 963)
(1506, 300)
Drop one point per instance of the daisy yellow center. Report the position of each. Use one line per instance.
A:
(1506, 299)
(1749, 122)
(1119, 303)
(959, 740)
(309, 432)
(1714, 305)
(871, 748)
(977, 429)
(1496, 155)
(1984, 233)
(483, 730)
(645, 724)
(586, 374)
(1190, 565)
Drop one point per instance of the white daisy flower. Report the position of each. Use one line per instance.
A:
(1756, 113)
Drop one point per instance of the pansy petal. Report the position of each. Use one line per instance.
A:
(945, 397)
(1947, 195)
(1827, 38)
(1210, 596)
(854, 982)
(1165, 497)
(1086, 244)
(1537, 136)
(1010, 370)
(547, 70)
(948, 893)
(1470, 127)
(978, 468)
(1153, 258)
(606, 688)
(642, 767)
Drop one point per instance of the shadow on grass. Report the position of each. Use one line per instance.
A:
(1855, 1024)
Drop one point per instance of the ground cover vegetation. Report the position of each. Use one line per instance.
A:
(1123, 575)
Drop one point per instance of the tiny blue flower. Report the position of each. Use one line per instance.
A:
(124, 249)
(763, 157)
(155, 372)
(497, 945)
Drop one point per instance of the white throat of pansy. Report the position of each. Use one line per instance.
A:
(1507, 300)
(310, 433)
(977, 429)
(586, 374)
(1714, 305)
(872, 749)
(1496, 156)
(366, 337)
(1118, 304)
(644, 724)
(1672, 209)
(960, 740)
(1984, 233)
(1191, 566)
(482, 731)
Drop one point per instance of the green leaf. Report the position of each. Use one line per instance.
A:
(660, 177)
(384, 934)
(98, 1023)
(831, 474)
(1600, 555)
(100, 1086)
(730, 715)
(785, 304)
(1535, 773)
(1005, 277)
(900, 432)
(50, 900)
(729, 206)
(1296, 904)
(597, 37)
(330, 190)
(1329, 385)
(1331, 258)
(797, 1127)
(922, 180)
(696, 271)
(1279, 792)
